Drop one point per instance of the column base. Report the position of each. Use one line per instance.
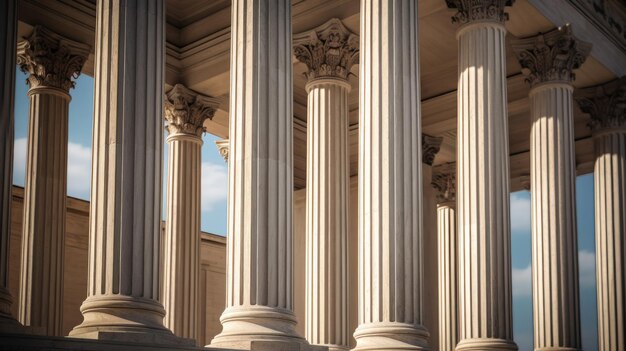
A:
(483, 344)
(126, 319)
(259, 328)
(8, 323)
(557, 349)
(391, 336)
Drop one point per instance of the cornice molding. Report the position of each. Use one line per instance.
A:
(605, 104)
(186, 110)
(430, 148)
(329, 51)
(444, 182)
(479, 10)
(51, 60)
(551, 57)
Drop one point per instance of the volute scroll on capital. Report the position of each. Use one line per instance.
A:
(479, 10)
(552, 56)
(186, 110)
(444, 182)
(329, 51)
(605, 104)
(51, 60)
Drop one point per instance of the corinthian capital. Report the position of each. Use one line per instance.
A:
(551, 57)
(444, 182)
(51, 60)
(430, 148)
(329, 51)
(186, 110)
(479, 10)
(606, 104)
(222, 148)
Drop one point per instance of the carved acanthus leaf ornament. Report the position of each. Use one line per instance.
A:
(479, 10)
(444, 182)
(606, 105)
(551, 57)
(51, 60)
(186, 110)
(430, 148)
(329, 51)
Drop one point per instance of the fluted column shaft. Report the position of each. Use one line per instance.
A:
(51, 63)
(390, 179)
(182, 235)
(43, 241)
(259, 264)
(448, 303)
(125, 211)
(484, 231)
(8, 35)
(443, 180)
(327, 214)
(553, 202)
(610, 208)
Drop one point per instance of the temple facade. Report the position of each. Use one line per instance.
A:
(371, 145)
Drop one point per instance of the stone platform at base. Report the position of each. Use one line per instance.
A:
(25, 342)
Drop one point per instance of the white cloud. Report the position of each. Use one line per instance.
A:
(78, 167)
(214, 185)
(587, 269)
(522, 281)
(520, 214)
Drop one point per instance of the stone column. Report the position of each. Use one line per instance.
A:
(484, 230)
(430, 313)
(329, 51)
(548, 61)
(8, 35)
(51, 62)
(125, 212)
(259, 264)
(607, 106)
(185, 113)
(390, 179)
(444, 178)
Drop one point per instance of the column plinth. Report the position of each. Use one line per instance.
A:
(8, 33)
(484, 232)
(125, 210)
(607, 107)
(52, 63)
(549, 60)
(260, 170)
(444, 178)
(390, 180)
(185, 112)
(329, 52)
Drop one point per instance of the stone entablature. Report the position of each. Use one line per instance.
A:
(608, 15)
(444, 182)
(605, 104)
(329, 51)
(551, 57)
(481, 10)
(185, 110)
(51, 60)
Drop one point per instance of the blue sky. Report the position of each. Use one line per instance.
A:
(214, 191)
